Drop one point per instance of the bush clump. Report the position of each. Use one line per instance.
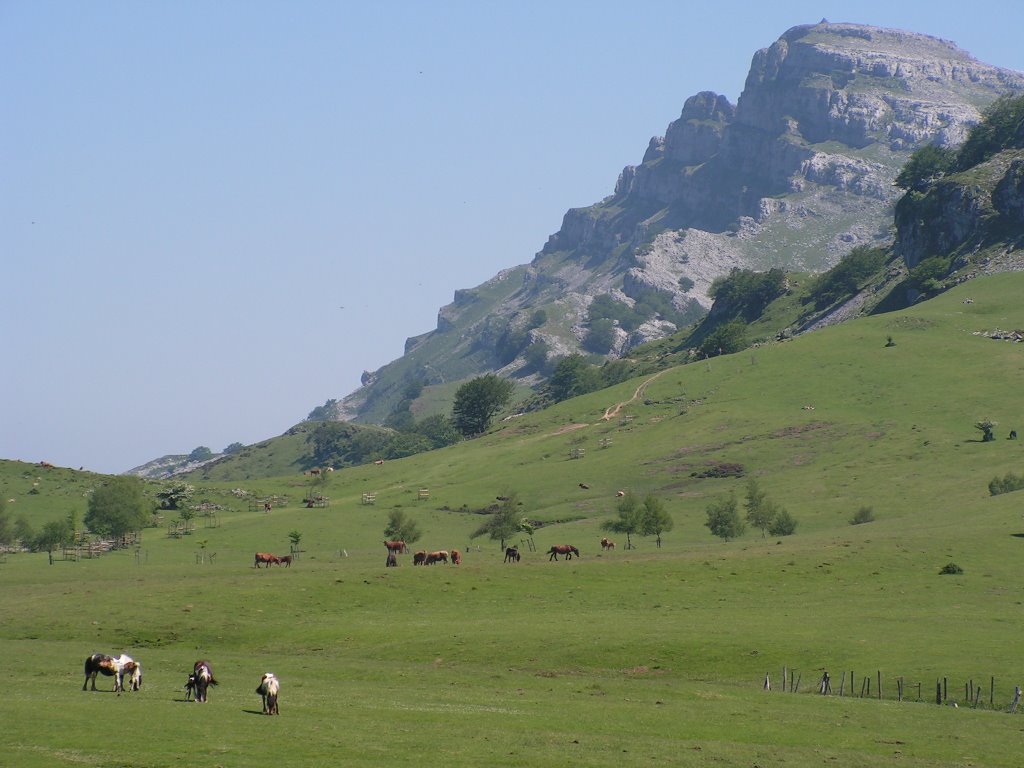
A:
(950, 568)
(863, 515)
(1010, 482)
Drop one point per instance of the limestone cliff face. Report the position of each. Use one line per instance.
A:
(794, 175)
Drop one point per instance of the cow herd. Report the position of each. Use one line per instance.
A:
(196, 687)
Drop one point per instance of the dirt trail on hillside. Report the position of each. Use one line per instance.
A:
(612, 411)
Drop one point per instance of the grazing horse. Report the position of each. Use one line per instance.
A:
(392, 561)
(285, 560)
(264, 557)
(201, 679)
(512, 555)
(268, 689)
(563, 549)
(399, 547)
(456, 557)
(607, 544)
(419, 558)
(108, 666)
(436, 557)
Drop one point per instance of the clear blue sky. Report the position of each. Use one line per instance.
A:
(214, 215)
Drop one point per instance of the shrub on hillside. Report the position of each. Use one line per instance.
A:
(784, 524)
(862, 515)
(1010, 482)
(950, 569)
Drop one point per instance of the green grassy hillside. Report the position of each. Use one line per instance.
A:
(648, 656)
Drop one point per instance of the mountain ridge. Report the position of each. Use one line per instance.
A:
(795, 175)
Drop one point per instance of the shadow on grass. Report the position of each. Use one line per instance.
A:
(1017, 535)
(254, 712)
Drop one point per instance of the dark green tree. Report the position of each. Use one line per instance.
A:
(439, 430)
(725, 340)
(573, 376)
(784, 524)
(233, 448)
(478, 401)
(53, 535)
(656, 519)
(503, 523)
(630, 520)
(401, 527)
(724, 518)
(202, 453)
(924, 166)
(600, 335)
(118, 507)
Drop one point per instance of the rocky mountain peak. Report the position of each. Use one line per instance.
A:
(794, 175)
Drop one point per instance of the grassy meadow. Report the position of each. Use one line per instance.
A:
(629, 657)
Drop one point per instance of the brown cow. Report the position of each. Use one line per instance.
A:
(265, 558)
(436, 557)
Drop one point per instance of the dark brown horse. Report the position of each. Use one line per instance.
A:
(563, 549)
(419, 558)
(512, 554)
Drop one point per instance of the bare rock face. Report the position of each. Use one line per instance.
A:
(794, 175)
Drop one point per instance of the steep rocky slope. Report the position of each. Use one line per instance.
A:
(794, 175)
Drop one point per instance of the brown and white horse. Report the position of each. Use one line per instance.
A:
(200, 679)
(563, 549)
(607, 543)
(116, 667)
(268, 688)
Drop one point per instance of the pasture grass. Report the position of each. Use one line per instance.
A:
(628, 657)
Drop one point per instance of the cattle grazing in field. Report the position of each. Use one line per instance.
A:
(419, 558)
(456, 557)
(398, 547)
(109, 666)
(607, 543)
(563, 549)
(392, 561)
(285, 560)
(436, 557)
(512, 555)
(200, 679)
(264, 558)
(268, 688)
